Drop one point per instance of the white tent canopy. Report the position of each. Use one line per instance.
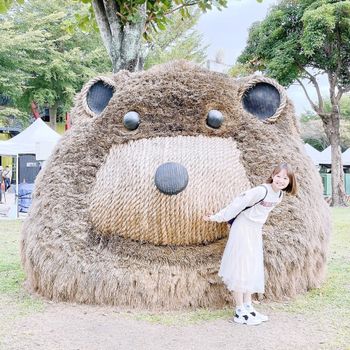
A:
(38, 139)
(346, 157)
(313, 153)
(326, 156)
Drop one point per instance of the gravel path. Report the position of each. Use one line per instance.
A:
(80, 327)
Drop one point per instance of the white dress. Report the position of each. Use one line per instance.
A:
(242, 264)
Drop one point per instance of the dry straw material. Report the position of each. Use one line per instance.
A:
(124, 182)
(99, 231)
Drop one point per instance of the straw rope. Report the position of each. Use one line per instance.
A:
(259, 79)
(126, 202)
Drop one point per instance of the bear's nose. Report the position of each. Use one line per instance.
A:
(171, 178)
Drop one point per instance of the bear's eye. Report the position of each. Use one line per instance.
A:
(262, 100)
(131, 120)
(215, 119)
(99, 96)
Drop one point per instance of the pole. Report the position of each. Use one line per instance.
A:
(16, 197)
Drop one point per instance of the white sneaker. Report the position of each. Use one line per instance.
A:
(258, 315)
(247, 319)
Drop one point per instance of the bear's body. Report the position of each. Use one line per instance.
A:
(100, 231)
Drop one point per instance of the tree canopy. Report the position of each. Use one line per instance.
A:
(344, 108)
(40, 60)
(179, 41)
(313, 133)
(302, 34)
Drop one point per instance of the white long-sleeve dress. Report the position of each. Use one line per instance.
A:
(242, 264)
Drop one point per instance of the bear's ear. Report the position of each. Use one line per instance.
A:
(263, 98)
(96, 95)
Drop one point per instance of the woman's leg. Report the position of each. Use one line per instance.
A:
(247, 302)
(238, 296)
(7, 184)
(247, 298)
(242, 315)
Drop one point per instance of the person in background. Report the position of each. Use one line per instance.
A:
(7, 175)
(0, 183)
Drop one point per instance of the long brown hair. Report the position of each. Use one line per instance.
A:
(292, 187)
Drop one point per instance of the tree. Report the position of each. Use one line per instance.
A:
(178, 41)
(311, 125)
(44, 62)
(122, 24)
(344, 106)
(239, 70)
(12, 117)
(5, 5)
(20, 51)
(297, 41)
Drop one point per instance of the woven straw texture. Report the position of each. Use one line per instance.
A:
(98, 231)
(126, 180)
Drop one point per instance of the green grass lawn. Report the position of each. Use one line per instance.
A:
(330, 304)
(335, 292)
(321, 303)
(14, 300)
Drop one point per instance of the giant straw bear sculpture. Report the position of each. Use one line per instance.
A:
(117, 212)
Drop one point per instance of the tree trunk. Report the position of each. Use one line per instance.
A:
(122, 41)
(331, 126)
(53, 116)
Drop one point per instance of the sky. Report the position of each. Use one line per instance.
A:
(227, 31)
